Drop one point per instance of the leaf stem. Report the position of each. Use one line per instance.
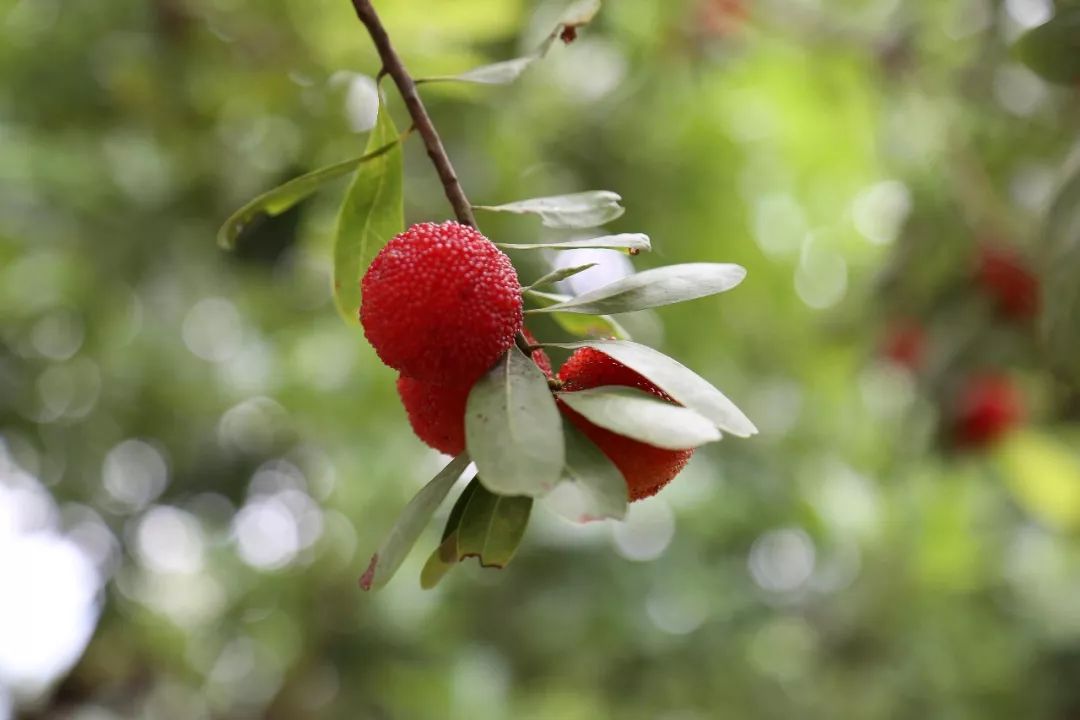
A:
(393, 67)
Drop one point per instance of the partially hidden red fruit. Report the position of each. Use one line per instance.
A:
(904, 344)
(1008, 279)
(987, 407)
(441, 303)
(645, 468)
(437, 412)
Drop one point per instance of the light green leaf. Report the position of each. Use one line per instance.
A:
(1053, 50)
(589, 326)
(578, 210)
(579, 13)
(513, 429)
(276, 201)
(633, 243)
(654, 288)
(492, 526)
(642, 416)
(681, 383)
(556, 275)
(416, 515)
(371, 213)
(600, 482)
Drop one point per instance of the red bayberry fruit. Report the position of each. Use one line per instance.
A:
(987, 407)
(904, 344)
(645, 468)
(1006, 277)
(437, 412)
(441, 303)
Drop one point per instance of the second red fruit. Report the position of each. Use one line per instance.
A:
(441, 303)
(987, 407)
(645, 468)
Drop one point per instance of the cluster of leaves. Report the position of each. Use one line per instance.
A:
(515, 436)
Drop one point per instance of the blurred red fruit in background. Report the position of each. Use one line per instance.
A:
(987, 407)
(905, 343)
(1006, 276)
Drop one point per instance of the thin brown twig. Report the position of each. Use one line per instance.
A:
(393, 67)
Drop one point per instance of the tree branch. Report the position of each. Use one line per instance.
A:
(393, 67)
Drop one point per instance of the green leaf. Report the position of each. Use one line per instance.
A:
(681, 383)
(579, 13)
(371, 213)
(1060, 291)
(556, 275)
(633, 243)
(391, 553)
(601, 484)
(642, 416)
(654, 288)
(482, 525)
(492, 526)
(513, 429)
(276, 201)
(1052, 50)
(588, 326)
(578, 210)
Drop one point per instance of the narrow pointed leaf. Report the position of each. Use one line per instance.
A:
(588, 326)
(600, 482)
(680, 382)
(579, 13)
(284, 196)
(513, 429)
(578, 210)
(371, 213)
(633, 243)
(416, 515)
(445, 556)
(492, 526)
(1060, 301)
(655, 288)
(1052, 50)
(642, 416)
(556, 275)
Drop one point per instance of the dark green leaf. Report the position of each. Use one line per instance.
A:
(1053, 50)
(681, 383)
(601, 484)
(416, 515)
(578, 210)
(588, 326)
(513, 429)
(561, 274)
(276, 201)
(445, 556)
(1060, 289)
(371, 213)
(631, 242)
(654, 288)
(640, 415)
(492, 526)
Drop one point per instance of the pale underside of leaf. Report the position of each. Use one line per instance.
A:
(416, 515)
(642, 416)
(631, 242)
(576, 210)
(513, 429)
(654, 288)
(600, 483)
(681, 383)
(580, 325)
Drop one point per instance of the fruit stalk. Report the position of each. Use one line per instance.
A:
(393, 67)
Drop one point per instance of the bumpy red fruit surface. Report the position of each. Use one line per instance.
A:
(1006, 277)
(987, 407)
(645, 468)
(437, 412)
(441, 303)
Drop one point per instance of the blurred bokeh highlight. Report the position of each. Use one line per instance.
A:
(197, 455)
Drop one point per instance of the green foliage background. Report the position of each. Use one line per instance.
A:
(840, 564)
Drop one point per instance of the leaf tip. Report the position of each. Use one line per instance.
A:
(368, 577)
